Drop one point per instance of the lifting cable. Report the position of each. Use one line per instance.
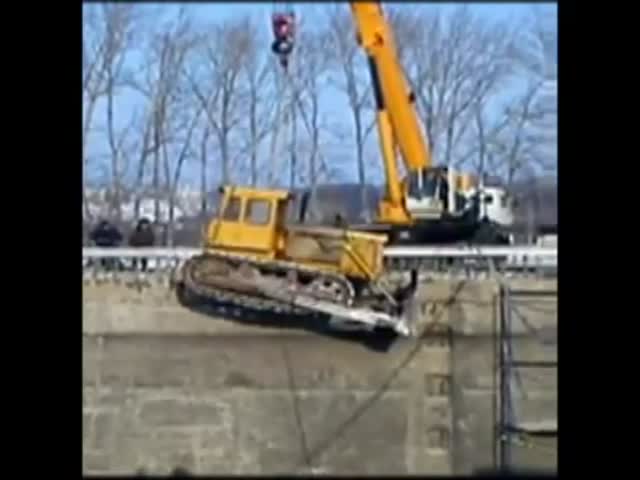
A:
(297, 102)
(275, 150)
(283, 48)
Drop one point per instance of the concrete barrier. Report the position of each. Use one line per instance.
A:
(165, 387)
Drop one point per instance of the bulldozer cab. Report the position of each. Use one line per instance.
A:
(249, 220)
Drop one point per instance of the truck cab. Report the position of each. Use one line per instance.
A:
(497, 205)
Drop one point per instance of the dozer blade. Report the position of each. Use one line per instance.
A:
(364, 316)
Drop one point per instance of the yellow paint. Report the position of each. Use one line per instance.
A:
(466, 182)
(398, 122)
(236, 229)
(262, 234)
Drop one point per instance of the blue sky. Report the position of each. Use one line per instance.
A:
(219, 12)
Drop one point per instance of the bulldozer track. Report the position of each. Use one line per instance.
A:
(241, 300)
(233, 298)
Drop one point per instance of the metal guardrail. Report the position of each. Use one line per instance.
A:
(116, 263)
(470, 252)
(394, 252)
(178, 252)
(510, 258)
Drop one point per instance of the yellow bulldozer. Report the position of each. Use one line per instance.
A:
(252, 258)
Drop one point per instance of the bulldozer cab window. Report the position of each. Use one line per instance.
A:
(258, 212)
(232, 211)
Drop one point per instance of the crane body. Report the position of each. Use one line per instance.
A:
(432, 204)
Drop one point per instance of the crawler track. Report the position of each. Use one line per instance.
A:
(233, 281)
(283, 288)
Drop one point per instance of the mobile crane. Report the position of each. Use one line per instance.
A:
(433, 204)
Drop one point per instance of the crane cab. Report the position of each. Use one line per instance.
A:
(250, 221)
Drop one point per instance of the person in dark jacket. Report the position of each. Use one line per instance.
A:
(106, 235)
(142, 236)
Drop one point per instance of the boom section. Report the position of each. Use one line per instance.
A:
(391, 89)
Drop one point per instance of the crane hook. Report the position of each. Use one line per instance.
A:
(283, 26)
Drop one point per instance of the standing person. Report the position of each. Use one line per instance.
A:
(106, 235)
(141, 237)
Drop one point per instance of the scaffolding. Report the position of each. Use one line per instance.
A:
(510, 430)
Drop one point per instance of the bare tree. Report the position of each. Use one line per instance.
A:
(541, 62)
(280, 124)
(92, 87)
(523, 139)
(454, 62)
(213, 96)
(350, 61)
(216, 84)
(170, 115)
(482, 137)
(172, 175)
(204, 143)
(514, 133)
(512, 149)
(108, 36)
(119, 25)
(144, 149)
(258, 89)
(311, 66)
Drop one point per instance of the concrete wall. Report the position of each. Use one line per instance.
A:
(164, 387)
